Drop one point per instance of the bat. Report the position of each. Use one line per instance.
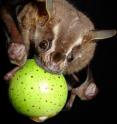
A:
(63, 40)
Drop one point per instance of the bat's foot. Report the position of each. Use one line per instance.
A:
(86, 91)
(91, 91)
(10, 74)
(17, 53)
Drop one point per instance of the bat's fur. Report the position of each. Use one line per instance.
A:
(63, 42)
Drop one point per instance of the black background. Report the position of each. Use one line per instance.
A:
(104, 66)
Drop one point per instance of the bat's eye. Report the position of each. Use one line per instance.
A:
(44, 45)
(70, 57)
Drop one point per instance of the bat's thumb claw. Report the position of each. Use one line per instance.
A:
(8, 76)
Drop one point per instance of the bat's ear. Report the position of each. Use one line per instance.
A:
(102, 34)
(49, 7)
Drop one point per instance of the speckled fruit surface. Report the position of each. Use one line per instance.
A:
(35, 92)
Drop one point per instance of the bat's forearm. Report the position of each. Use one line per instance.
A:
(11, 26)
(16, 50)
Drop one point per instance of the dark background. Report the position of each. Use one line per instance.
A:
(104, 66)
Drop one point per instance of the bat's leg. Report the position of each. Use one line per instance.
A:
(70, 101)
(72, 96)
(10, 74)
(75, 77)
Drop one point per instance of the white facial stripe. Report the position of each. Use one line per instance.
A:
(56, 29)
(56, 32)
(26, 36)
(76, 43)
(80, 55)
(36, 35)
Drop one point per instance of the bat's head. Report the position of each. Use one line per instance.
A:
(66, 37)
(57, 42)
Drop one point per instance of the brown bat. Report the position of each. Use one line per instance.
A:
(63, 39)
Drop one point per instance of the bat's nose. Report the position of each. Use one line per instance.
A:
(57, 57)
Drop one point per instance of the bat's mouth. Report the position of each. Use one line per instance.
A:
(51, 69)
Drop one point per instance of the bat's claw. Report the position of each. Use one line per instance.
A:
(10, 74)
(70, 102)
